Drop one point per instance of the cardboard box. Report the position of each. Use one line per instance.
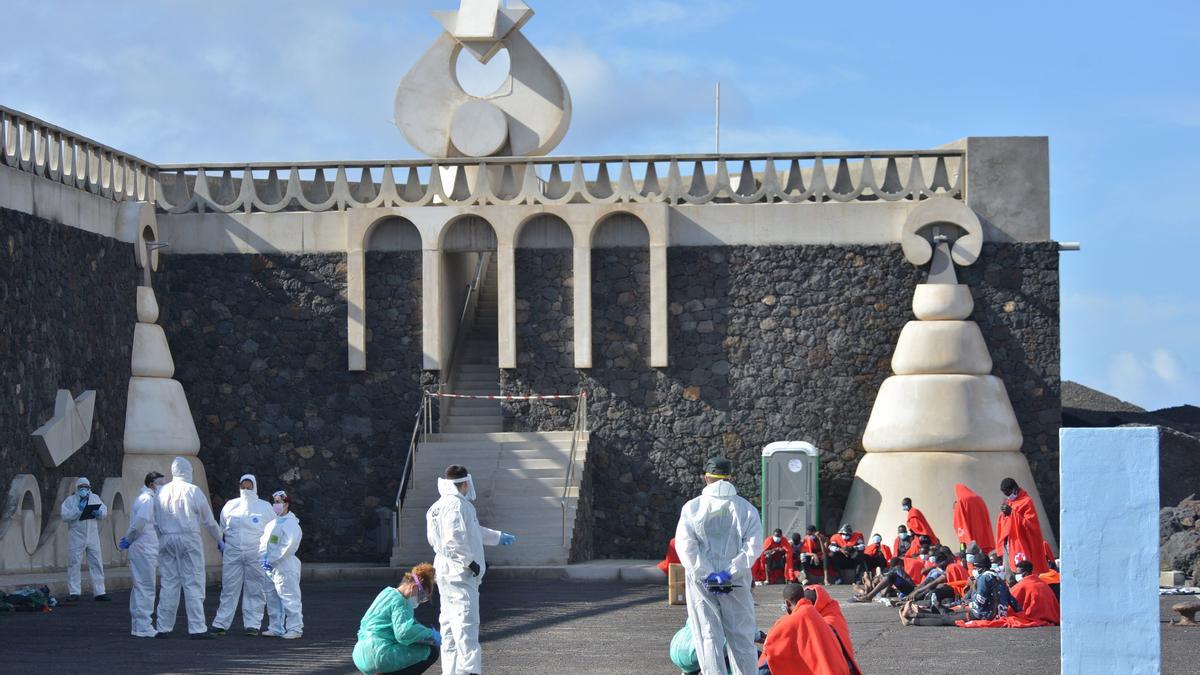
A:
(675, 585)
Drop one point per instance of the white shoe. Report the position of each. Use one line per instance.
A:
(269, 633)
(144, 635)
(292, 635)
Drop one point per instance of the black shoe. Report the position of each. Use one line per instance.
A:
(202, 636)
(103, 597)
(71, 598)
(162, 636)
(252, 632)
(218, 632)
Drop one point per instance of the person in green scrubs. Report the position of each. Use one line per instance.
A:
(389, 638)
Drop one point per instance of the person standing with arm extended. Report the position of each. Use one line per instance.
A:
(243, 520)
(81, 511)
(141, 540)
(277, 549)
(457, 540)
(181, 510)
(718, 539)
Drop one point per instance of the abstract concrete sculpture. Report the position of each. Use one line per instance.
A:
(69, 429)
(527, 116)
(942, 418)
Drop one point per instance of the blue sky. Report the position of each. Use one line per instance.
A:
(1115, 86)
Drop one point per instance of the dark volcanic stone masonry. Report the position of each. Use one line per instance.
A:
(67, 310)
(260, 347)
(766, 344)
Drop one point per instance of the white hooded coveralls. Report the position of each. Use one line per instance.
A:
(83, 536)
(720, 532)
(143, 562)
(243, 521)
(278, 546)
(458, 539)
(182, 509)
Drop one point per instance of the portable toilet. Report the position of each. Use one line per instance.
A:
(789, 486)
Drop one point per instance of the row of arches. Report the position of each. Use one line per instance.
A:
(444, 237)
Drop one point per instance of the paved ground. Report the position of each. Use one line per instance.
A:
(531, 626)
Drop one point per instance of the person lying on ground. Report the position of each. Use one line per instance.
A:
(801, 642)
(988, 599)
(894, 579)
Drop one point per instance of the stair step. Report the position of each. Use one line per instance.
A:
(503, 437)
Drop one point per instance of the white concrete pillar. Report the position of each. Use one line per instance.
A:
(356, 309)
(431, 307)
(506, 304)
(658, 306)
(582, 272)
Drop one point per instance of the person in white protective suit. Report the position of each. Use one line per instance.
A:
(141, 542)
(718, 538)
(277, 555)
(182, 509)
(80, 512)
(243, 520)
(458, 539)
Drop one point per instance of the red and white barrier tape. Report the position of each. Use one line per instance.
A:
(508, 398)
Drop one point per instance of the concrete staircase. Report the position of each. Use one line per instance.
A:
(478, 370)
(519, 483)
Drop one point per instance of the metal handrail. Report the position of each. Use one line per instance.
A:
(579, 428)
(421, 429)
(468, 311)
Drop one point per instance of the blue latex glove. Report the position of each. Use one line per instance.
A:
(716, 580)
(221, 546)
(435, 637)
(507, 539)
(123, 544)
(266, 565)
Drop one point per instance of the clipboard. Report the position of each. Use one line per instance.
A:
(89, 512)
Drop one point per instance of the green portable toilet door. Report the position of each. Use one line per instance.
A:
(789, 487)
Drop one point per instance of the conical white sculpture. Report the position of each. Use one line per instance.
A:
(158, 421)
(942, 418)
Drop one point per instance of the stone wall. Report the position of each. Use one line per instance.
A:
(260, 347)
(66, 322)
(766, 344)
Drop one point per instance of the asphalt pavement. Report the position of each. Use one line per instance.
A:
(529, 626)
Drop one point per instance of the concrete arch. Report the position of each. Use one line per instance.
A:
(113, 492)
(544, 230)
(620, 229)
(468, 233)
(21, 522)
(392, 233)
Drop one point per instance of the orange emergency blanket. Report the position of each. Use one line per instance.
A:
(972, 522)
(1039, 608)
(918, 525)
(672, 557)
(759, 570)
(801, 643)
(831, 611)
(1022, 533)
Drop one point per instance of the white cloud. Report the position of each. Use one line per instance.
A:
(1165, 366)
(1126, 376)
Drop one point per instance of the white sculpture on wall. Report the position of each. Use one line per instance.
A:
(527, 116)
(68, 431)
(942, 418)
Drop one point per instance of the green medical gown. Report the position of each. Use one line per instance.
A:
(389, 637)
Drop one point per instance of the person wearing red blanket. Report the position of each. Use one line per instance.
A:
(845, 551)
(800, 642)
(917, 524)
(1018, 533)
(808, 555)
(905, 544)
(831, 611)
(1037, 599)
(775, 561)
(972, 522)
(672, 557)
(877, 554)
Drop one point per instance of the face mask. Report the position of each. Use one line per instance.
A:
(247, 494)
(922, 556)
(1020, 577)
(904, 536)
(905, 508)
(876, 540)
(997, 568)
(83, 492)
(784, 607)
(974, 572)
(777, 539)
(413, 602)
(278, 508)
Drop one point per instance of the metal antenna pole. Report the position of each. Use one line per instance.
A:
(718, 129)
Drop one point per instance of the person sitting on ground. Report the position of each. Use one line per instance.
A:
(829, 610)
(808, 555)
(905, 545)
(776, 560)
(845, 552)
(1037, 600)
(876, 555)
(988, 599)
(1053, 579)
(389, 638)
(957, 576)
(801, 642)
(917, 523)
(894, 579)
(936, 585)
